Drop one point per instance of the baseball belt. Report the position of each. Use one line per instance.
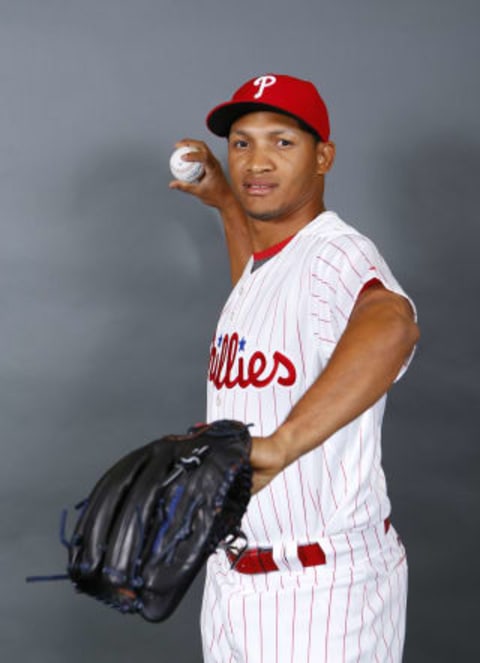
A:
(260, 560)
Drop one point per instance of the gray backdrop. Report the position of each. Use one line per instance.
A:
(110, 284)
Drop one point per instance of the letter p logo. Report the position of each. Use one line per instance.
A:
(263, 82)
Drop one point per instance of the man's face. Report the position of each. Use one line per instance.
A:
(274, 168)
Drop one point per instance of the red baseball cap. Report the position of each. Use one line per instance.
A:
(273, 92)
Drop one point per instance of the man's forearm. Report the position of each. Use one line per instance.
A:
(377, 341)
(237, 236)
(214, 190)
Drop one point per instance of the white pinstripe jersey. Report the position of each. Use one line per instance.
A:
(274, 337)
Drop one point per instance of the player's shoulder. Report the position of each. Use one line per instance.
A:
(328, 233)
(328, 226)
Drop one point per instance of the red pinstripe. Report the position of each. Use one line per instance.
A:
(323, 339)
(272, 321)
(323, 260)
(353, 241)
(329, 478)
(344, 315)
(376, 586)
(360, 442)
(312, 497)
(245, 647)
(261, 324)
(260, 624)
(320, 300)
(346, 288)
(267, 584)
(303, 500)
(263, 521)
(213, 625)
(276, 626)
(257, 276)
(400, 599)
(373, 626)
(348, 593)
(367, 549)
(275, 407)
(350, 548)
(220, 633)
(327, 629)
(251, 526)
(327, 321)
(379, 596)
(229, 615)
(275, 509)
(290, 398)
(372, 268)
(391, 619)
(285, 317)
(345, 629)
(377, 591)
(368, 514)
(362, 625)
(324, 282)
(292, 536)
(245, 406)
(320, 511)
(292, 646)
(347, 258)
(400, 605)
(260, 418)
(382, 601)
(345, 480)
(310, 624)
(380, 547)
(378, 477)
(397, 608)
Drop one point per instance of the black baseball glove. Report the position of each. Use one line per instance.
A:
(155, 516)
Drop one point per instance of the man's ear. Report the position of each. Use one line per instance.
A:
(325, 157)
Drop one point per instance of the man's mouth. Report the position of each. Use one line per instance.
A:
(258, 188)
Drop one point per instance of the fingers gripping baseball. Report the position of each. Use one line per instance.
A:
(183, 169)
(212, 187)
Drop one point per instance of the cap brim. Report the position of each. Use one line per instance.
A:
(221, 118)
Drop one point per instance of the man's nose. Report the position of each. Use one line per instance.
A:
(259, 161)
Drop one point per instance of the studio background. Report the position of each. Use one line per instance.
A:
(110, 283)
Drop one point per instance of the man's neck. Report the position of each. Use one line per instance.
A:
(265, 234)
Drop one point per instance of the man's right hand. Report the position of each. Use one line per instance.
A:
(213, 188)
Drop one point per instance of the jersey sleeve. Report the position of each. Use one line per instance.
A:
(339, 272)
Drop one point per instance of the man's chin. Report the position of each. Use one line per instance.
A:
(263, 216)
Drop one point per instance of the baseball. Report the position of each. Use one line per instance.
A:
(186, 171)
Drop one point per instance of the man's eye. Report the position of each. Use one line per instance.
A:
(284, 142)
(240, 144)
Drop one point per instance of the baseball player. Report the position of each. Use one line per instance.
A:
(312, 336)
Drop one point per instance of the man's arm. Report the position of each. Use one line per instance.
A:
(214, 190)
(379, 337)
